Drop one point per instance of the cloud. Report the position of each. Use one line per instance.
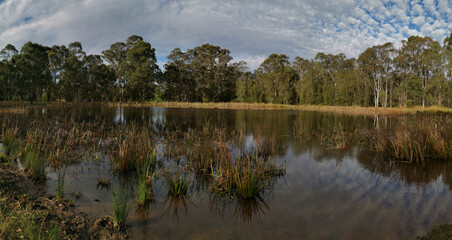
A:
(251, 29)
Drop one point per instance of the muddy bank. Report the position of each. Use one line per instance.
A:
(26, 210)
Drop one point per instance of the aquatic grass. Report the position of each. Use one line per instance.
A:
(176, 182)
(416, 141)
(11, 142)
(60, 184)
(247, 176)
(132, 148)
(34, 162)
(144, 178)
(103, 182)
(121, 206)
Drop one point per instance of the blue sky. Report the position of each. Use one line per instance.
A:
(250, 29)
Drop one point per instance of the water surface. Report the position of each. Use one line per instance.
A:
(325, 194)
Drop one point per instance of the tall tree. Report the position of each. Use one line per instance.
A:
(33, 66)
(278, 79)
(420, 56)
(376, 66)
(141, 69)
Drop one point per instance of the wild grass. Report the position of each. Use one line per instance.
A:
(131, 149)
(34, 162)
(103, 182)
(176, 182)
(60, 184)
(144, 179)
(17, 222)
(246, 176)
(121, 206)
(10, 141)
(416, 140)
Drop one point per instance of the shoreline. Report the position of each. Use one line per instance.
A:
(350, 110)
(22, 201)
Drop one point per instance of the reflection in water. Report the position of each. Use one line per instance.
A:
(247, 211)
(327, 193)
(176, 205)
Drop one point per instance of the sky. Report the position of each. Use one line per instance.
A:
(250, 29)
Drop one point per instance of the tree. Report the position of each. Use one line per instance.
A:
(278, 79)
(115, 56)
(419, 56)
(57, 58)
(376, 66)
(8, 74)
(100, 78)
(33, 66)
(204, 73)
(141, 69)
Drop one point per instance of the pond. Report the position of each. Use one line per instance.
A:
(326, 193)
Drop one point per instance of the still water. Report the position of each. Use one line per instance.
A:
(325, 194)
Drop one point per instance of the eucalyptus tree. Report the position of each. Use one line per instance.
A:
(141, 70)
(204, 73)
(57, 58)
(73, 82)
(278, 79)
(100, 78)
(8, 75)
(331, 65)
(115, 56)
(419, 56)
(178, 81)
(376, 66)
(212, 72)
(302, 67)
(33, 66)
(135, 66)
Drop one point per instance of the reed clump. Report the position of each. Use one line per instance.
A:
(11, 142)
(121, 207)
(34, 162)
(415, 140)
(144, 179)
(176, 182)
(131, 149)
(103, 182)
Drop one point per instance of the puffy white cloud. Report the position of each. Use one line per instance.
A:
(251, 29)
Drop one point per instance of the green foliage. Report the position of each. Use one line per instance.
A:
(379, 77)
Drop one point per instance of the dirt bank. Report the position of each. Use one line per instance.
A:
(27, 211)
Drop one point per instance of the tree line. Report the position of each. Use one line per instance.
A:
(417, 73)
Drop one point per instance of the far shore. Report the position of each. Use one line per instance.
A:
(352, 110)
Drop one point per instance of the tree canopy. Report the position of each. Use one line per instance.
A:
(418, 73)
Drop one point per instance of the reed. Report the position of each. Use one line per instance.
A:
(60, 184)
(11, 142)
(145, 175)
(103, 182)
(176, 182)
(121, 207)
(34, 162)
(419, 141)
